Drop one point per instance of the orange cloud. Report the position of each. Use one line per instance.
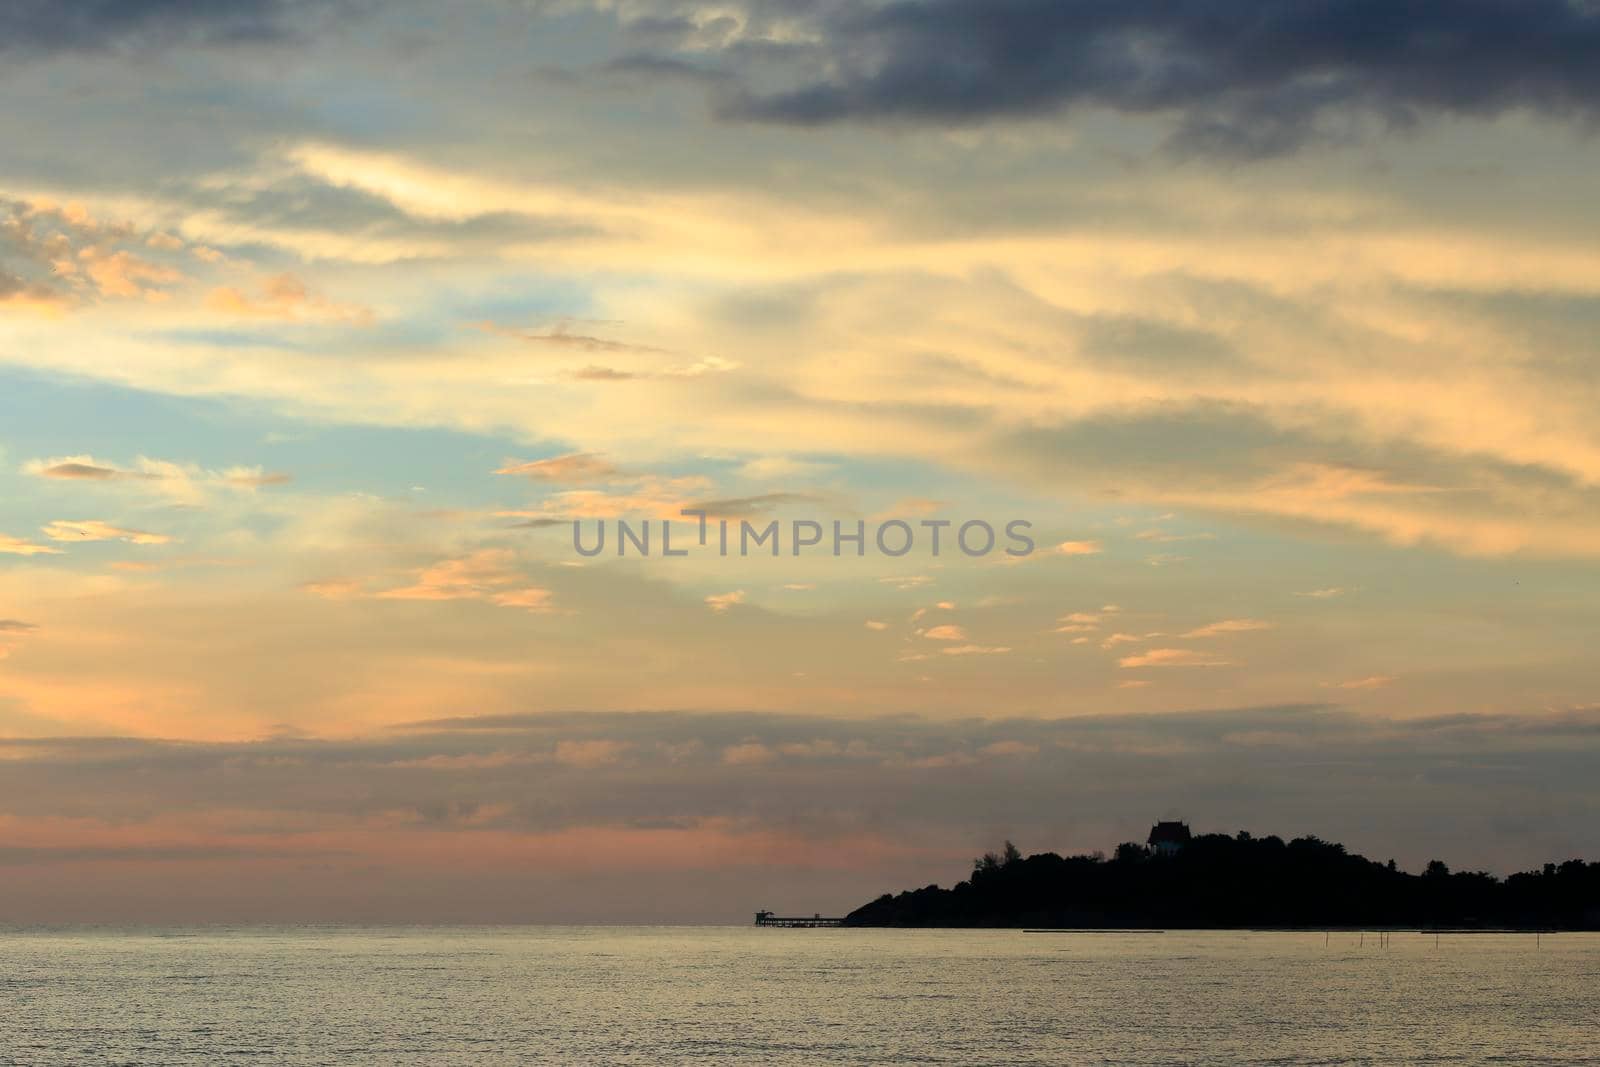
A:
(126, 275)
(16, 546)
(484, 575)
(1170, 657)
(720, 602)
(1229, 626)
(1376, 681)
(284, 296)
(572, 467)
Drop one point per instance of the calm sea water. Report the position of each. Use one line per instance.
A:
(571, 995)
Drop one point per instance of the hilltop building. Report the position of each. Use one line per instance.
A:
(1167, 838)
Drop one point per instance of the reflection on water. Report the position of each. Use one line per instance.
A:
(342, 995)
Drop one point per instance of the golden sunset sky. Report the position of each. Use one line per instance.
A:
(320, 321)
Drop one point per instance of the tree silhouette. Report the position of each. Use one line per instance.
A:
(1218, 880)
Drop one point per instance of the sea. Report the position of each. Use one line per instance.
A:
(745, 995)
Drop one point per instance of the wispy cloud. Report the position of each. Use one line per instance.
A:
(721, 602)
(17, 546)
(1228, 626)
(487, 574)
(286, 297)
(748, 506)
(183, 481)
(572, 467)
(1170, 657)
(95, 530)
(1376, 681)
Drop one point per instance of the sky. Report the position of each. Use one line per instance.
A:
(321, 321)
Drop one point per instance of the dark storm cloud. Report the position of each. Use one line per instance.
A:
(46, 26)
(1253, 77)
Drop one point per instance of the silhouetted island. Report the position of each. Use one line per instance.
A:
(1179, 880)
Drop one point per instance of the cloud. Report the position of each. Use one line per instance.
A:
(186, 482)
(1170, 657)
(975, 650)
(82, 471)
(1077, 548)
(874, 624)
(1248, 78)
(593, 373)
(16, 546)
(748, 754)
(12, 631)
(486, 575)
(649, 497)
(1376, 681)
(15, 293)
(1324, 594)
(95, 530)
(254, 478)
(774, 468)
(947, 632)
(40, 29)
(123, 274)
(1009, 748)
(663, 809)
(747, 506)
(912, 505)
(721, 602)
(530, 597)
(573, 467)
(1120, 639)
(560, 336)
(288, 298)
(907, 581)
(87, 469)
(590, 754)
(1163, 537)
(336, 588)
(68, 258)
(1228, 626)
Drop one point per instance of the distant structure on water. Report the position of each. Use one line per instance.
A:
(767, 918)
(1167, 838)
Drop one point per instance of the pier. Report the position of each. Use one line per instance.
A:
(767, 918)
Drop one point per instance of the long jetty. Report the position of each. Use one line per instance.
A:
(767, 918)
